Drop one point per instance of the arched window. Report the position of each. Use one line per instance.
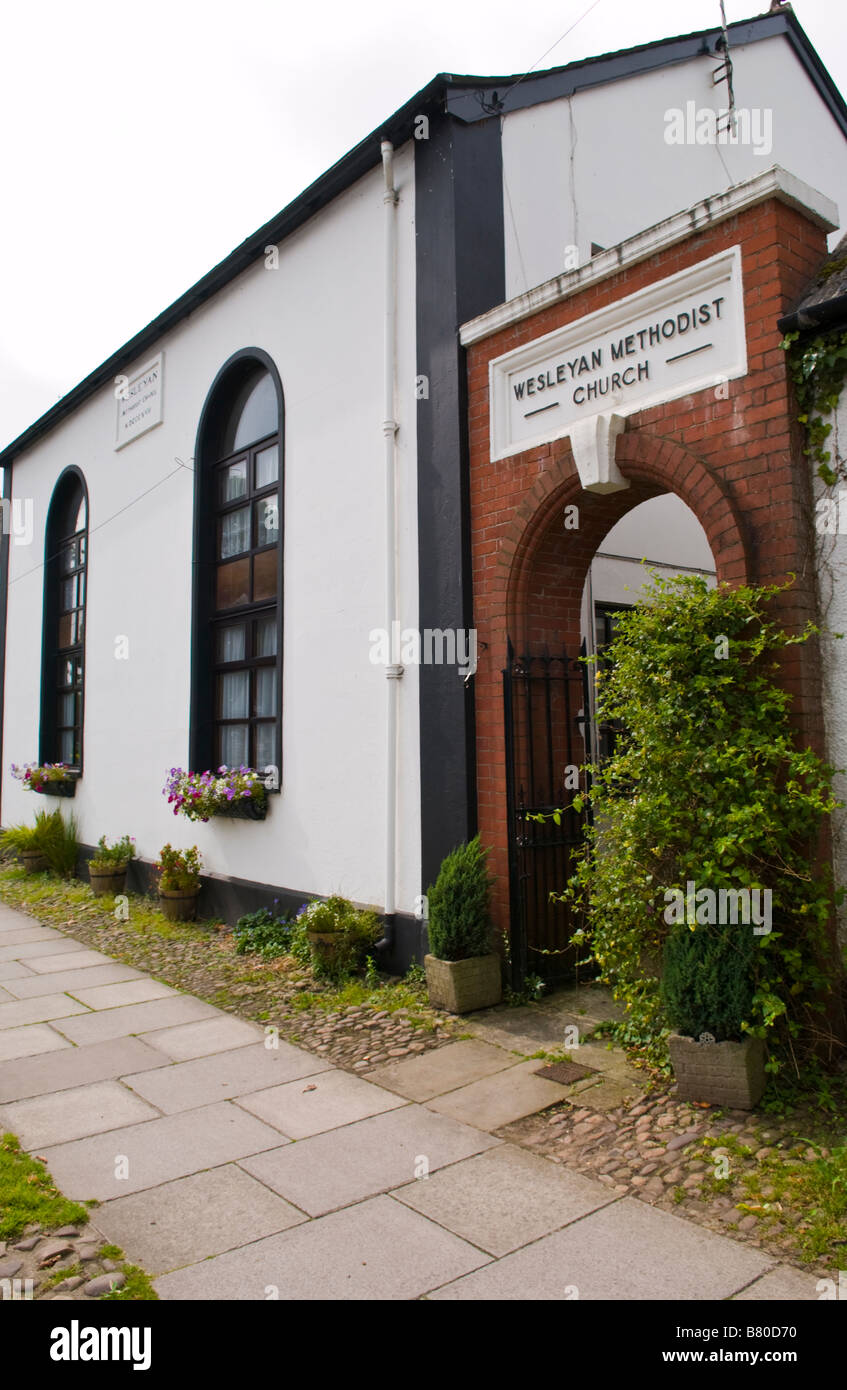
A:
(63, 631)
(236, 685)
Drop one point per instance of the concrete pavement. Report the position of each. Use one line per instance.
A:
(231, 1165)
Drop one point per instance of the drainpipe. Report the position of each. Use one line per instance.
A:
(394, 672)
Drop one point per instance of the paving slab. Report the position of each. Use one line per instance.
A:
(31, 984)
(625, 1251)
(10, 917)
(315, 1104)
(375, 1251)
(14, 970)
(73, 1114)
(784, 1282)
(39, 1010)
(29, 1042)
(206, 1214)
(190, 1040)
(43, 965)
(187, 1085)
(371, 1156)
(504, 1198)
(5, 996)
(444, 1069)
(34, 950)
(136, 1018)
(602, 1093)
(498, 1100)
(25, 935)
(546, 1025)
(157, 1151)
(131, 992)
(74, 1066)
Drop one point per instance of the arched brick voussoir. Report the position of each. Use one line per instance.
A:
(653, 465)
(673, 468)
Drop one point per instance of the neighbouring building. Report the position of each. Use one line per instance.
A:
(820, 318)
(520, 294)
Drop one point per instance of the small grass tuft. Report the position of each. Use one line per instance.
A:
(29, 1195)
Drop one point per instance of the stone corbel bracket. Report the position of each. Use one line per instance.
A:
(593, 443)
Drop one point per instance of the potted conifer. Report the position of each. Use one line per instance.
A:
(707, 989)
(462, 971)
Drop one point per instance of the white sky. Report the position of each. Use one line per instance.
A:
(142, 142)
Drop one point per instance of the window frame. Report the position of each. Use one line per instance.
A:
(63, 507)
(207, 618)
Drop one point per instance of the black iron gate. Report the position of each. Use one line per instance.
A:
(548, 738)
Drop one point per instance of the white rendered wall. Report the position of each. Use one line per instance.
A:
(595, 167)
(320, 317)
(663, 532)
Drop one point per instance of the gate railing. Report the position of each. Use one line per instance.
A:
(548, 738)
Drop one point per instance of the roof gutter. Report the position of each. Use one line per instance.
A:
(826, 314)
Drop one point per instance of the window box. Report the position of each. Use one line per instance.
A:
(238, 793)
(51, 779)
(244, 808)
(67, 787)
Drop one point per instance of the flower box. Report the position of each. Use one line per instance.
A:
(65, 787)
(718, 1073)
(237, 793)
(50, 779)
(243, 808)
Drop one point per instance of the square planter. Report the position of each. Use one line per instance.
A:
(460, 986)
(724, 1073)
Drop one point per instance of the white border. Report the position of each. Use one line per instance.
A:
(158, 360)
(724, 268)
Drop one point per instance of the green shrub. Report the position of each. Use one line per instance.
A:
(52, 835)
(59, 843)
(264, 933)
(708, 783)
(18, 838)
(357, 929)
(114, 857)
(459, 916)
(178, 869)
(708, 980)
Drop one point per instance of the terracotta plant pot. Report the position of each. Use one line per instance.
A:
(720, 1073)
(106, 880)
(33, 861)
(460, 986)
(179, 904)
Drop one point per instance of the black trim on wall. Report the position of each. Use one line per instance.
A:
(460, 273)
(213, 417)
(47, 736)
(230, 898)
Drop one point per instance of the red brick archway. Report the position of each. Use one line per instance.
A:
(733, 455)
